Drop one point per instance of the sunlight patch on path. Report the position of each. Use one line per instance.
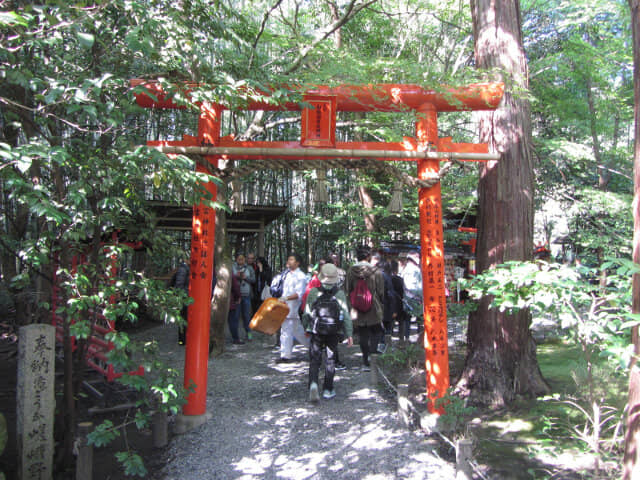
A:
(300, 468)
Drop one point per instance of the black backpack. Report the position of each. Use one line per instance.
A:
(277, 289)
(325, 313)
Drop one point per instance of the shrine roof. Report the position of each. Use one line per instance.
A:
(247, 222)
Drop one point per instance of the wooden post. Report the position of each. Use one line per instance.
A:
(432, 264)
(373, 375)
(84, 462)
(463, 455)
(160, 429)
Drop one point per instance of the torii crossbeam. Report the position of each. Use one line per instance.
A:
(318, 141)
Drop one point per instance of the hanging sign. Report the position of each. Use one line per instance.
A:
(319, 121)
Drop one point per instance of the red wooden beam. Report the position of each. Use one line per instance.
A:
(386, 97)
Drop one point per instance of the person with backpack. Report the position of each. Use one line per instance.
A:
(326, 319)
(315, 282)
(365, 293)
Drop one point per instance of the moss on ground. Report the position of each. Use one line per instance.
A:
(539, 438)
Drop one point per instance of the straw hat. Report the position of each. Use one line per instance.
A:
(328, 274)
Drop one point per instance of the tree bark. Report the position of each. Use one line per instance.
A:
(501, 357)
(632, 438)
(222, 289)
(604, 175)
(335, 16)
(367, 204)
(363, 194)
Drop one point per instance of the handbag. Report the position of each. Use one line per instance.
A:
(266, 293)
(277, 284)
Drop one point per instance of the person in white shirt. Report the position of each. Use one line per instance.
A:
(294, 286)
(412, 278)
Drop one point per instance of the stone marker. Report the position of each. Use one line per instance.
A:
(160, 429)
(35, 401)
(464, 453)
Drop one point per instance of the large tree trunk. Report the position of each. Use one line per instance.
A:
(222, 289)
(501, 358)
(364, 195)
(632, 439)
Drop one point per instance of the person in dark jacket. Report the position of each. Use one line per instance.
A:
(390, 305)
(180, 280)
(367, 324)
(399, 314)
(264, 275)
(234, 310)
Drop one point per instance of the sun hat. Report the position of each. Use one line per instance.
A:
(328, 274)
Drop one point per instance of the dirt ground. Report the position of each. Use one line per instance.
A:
(105, 465)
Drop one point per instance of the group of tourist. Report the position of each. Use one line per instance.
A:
(328, 306)
(370, 298)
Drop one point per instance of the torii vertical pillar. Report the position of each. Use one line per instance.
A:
(201, 277)
(432, 263)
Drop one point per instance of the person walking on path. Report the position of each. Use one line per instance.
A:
(326, 319)
(399, 314)
(365, 291)
(335, 259)
(247, 277)
(412, 278)
(294, 286)
(378, 262)
(390, 305)
(234, 309)
(314, 283)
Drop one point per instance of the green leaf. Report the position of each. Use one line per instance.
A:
(141, 419)
(12, 18)
(635, 321)
(132, 462)
(86, 39)
(103, 434)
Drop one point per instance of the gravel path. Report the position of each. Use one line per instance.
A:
(264, 427)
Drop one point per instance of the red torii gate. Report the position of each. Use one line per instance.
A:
(318, 142)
